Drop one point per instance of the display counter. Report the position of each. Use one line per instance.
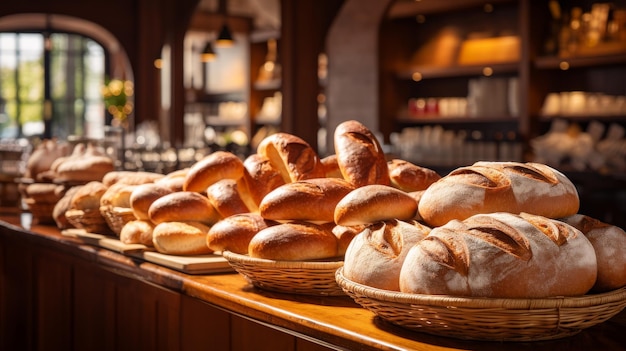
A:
(58, 293)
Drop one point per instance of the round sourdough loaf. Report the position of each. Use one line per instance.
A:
(235, 232)
(372, 203)
(143, 196)
(183, 206)
(609, 243)
(501, 255)
(360, 158)
(213, 167)
(487, 187)
(294, 241)
(375, 255)
(181, 238)
(293, 157)
(312, 200)
(409, 177)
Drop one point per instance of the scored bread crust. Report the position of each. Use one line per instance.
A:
(259, 177)
(360, 158)
(226, 198)
(501, 255)
(293, 157)
(375, 255)
(372, 203)
(487, 187)
(310, 200)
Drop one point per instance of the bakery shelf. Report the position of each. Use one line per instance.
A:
(554, 62)
(431, 72)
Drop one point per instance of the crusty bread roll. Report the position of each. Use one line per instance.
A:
(58, 212)
(213, 167)
(88, 196)
(144, 195)
(235, 232)
(487, 187)
(360, 158)
(294, 241)
(331, 166)
(137, 232)
(609, 243)
(181, 238)
(174, 180)
(417, 196)
(293, 157)
(117, 195)
(376, 254)
(344, 236)
(225, 197)
(409, 177)
(312, 200)
(183, 206)
(130, 177)
(260, 178)
(91, 165)
(501, 255)
(372, 203)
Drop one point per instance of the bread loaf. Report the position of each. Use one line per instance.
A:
(91, 165)
(88, 196)
(360, 158)
(174, 180)
(487, 187)
(130, 177)
(345, 235)
(293, 157)
(501, 255)
(294, 241)
(213, 167)
(409, 177)
(183, 206)
(372, 203)
(331, 167)
(137, 232)
(609, 243)
(375, 256)
(43, 156)
(260, 177)
(311, 200)
(143, 196)
(225, 197)
(181, 238)
(235, 232)
(58, 212)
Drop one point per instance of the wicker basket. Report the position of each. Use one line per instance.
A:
(487, 318)
(294, 277)
(117, 217)
(91, 221)
(41, 211)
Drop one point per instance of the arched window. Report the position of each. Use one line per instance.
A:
(50, 85)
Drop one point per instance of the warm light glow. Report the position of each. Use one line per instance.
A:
(208, 54)
(487, 71)
(564, 65)
(416, 76)
(225, 38)
(158, 63)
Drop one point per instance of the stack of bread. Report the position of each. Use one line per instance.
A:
(37, 189)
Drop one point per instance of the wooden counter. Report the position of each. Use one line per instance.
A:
(59, 294)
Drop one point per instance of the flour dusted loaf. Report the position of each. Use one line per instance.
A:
(360, 158)
(375, 255)
(486, 187)
(609, 243)
(501, 255)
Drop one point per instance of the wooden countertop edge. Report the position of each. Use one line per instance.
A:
(315, 318)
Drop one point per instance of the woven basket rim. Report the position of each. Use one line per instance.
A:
(266, 263)
(480, 302)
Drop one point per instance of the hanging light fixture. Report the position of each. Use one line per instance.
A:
(225, 37)
(208, 53)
